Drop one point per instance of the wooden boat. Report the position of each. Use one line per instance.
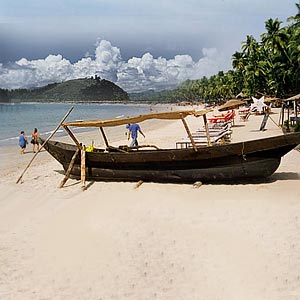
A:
(223, 162)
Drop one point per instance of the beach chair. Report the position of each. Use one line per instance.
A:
(201, 141)
(217, 127)
(213, 134)
(223, 118)
(245, 117)
(293, 119)
(217, 118)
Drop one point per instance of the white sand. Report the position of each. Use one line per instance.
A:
(160, 241)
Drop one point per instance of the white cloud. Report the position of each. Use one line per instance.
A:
(136, 74)
(108, 60)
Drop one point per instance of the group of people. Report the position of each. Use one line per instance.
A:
(133, 130)
(23, 141)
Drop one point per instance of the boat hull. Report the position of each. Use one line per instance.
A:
(262, 168)
(229, 162)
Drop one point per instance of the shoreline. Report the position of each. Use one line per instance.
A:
(9, 135)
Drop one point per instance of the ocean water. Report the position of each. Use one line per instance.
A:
(46, 116)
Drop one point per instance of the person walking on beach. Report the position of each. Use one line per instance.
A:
(34, 140)
(133, 130)
(23, 142)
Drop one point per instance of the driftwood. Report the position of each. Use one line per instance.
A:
(42, 146)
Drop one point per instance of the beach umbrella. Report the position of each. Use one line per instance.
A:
(231, 104)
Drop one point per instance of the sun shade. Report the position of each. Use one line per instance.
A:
(294, 98)
(231, 104)
(173, 115)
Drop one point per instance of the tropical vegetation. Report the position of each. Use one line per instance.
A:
(270, 66)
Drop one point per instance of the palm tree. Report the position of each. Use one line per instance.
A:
(296, 18)
(275, 40)
(238, 61)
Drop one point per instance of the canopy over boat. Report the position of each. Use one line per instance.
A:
(173, 115)
(294, 98)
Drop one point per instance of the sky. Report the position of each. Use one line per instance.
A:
(137, 44)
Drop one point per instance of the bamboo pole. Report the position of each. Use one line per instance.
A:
(280, 116)
(72, 136)
(69, 168)
(206, 130)
(273, 121)
(83, 175)
(138, 184)
(104, 137)
(288, 116)
(42, 146)
(296, 112)
(189, 133)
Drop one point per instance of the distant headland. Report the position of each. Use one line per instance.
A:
(92, 89)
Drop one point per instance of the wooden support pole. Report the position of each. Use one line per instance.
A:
(296, 112)
(104, 137)
(83, 187)
(42, 146)
(189, 133)
(288, 117)
(72, 136)
(273, 121)
(139, 183)
(280, 123)
(206, 130)
(69, 168)
(282, 117)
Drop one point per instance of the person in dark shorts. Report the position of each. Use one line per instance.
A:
(34, 140)
(23, 141)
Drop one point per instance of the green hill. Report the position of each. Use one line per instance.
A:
(85, 89)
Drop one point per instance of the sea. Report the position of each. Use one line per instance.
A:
(16, 117)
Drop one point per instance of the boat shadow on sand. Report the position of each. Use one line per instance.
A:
(279, 176)
(285, 176)
(78, 181)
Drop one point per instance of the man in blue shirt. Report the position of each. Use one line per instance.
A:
(133, 130)
(23, 142)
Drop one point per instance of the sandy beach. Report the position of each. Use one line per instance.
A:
(160, 241)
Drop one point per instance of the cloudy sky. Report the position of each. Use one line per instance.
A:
(138, 44)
